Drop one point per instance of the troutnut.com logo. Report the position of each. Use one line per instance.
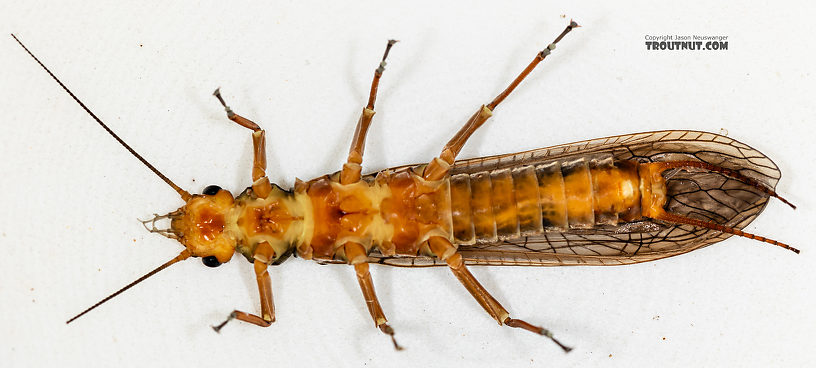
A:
(686, 42)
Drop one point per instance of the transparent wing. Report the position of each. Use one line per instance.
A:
(667, 145)
(697, 194)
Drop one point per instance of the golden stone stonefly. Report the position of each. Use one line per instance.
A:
(611, 201)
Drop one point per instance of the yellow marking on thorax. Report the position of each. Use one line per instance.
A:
(278, 219)
(395, 213)
(304, 205)
(362, 220)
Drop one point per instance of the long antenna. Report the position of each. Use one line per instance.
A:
(184, 194)
(182, 256)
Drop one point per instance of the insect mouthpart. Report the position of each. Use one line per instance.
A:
(167, 231)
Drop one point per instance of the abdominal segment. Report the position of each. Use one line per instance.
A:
(575, 193)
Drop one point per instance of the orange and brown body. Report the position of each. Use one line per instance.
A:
(617, 200)
(395, 213)
(545, 207)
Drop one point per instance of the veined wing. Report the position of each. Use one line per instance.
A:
(697, 194)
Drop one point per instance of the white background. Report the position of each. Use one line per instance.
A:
(71, 196)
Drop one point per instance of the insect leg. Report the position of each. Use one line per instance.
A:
(440, 166)
(260, 182)
(356, 255)
(351, 169)
(446, 251)
(264, 255)
(355, 252)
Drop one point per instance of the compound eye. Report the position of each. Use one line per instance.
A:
(211, 190)
(210, 261)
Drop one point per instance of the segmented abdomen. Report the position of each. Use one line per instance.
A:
(572, 193)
